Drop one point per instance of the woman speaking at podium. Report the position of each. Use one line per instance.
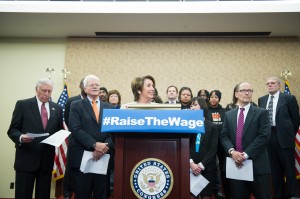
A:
(143, 89)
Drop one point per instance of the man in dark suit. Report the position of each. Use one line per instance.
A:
(34, 161)
(85, 124)
(245, 135)
(172, 94)
(284, 118)
(67, 181)
(72, 99)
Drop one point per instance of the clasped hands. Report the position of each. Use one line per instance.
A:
(239, 158)
(100, 150)
(195, 169)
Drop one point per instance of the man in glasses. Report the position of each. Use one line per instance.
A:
(284, 118)
(245, 136)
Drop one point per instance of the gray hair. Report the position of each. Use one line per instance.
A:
(88, 78)
(276, 79)
(44, 80)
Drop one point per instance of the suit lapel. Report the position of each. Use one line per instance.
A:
(52, 113)
(36, 112)
(234, 123)
(264, 102)
(249, 117)
(280, 101)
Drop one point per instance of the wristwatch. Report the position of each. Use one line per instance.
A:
(231, 151)
(94, 146)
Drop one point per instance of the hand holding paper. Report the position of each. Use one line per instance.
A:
(57, 138)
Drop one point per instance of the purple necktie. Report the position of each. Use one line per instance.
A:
(44, 115)
(239, 131)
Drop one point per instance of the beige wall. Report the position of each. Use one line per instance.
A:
(209, 63)
(22, 63)
(198, 63)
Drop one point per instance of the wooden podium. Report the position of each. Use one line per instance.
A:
(131, 148)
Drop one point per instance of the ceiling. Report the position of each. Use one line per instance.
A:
(83, 19)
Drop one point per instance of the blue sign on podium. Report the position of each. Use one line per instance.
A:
(154, 121)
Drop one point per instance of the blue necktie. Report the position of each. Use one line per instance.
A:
(198, 138)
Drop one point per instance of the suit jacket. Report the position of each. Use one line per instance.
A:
(68, 106)
(208, 147)
(27, 119)
(256, 135)
(286, 118)
(85, 130)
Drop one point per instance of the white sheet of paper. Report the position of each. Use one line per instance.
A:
(197, 183)
(244, 173)
(88, 165)
(57, 138)
(35, 135)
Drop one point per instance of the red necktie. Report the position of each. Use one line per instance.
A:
(239, 131)
(44, 115)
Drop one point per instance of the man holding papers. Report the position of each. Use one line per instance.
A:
(245, 135)
(33, 120)
(87, 140)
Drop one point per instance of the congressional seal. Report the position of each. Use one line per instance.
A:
(151, 178)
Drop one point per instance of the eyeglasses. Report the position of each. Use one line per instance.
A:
(246, 91)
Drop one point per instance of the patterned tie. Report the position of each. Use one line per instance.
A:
(96, 110)
(44, 115)
(239, 131)
(270, 108)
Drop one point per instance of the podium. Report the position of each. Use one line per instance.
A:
(131, 148)
(152, 150)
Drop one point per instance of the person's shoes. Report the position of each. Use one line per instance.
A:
(220, 196)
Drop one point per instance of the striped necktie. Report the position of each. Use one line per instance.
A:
(239, 131)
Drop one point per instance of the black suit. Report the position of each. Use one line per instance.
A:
(256, 134)
(33, 160)
(86, 132)
(206, 154)
(68, 107)
(67, 181)
(282, 144)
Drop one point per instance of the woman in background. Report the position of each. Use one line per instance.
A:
(203, 155)
(185, 96)
(114, 98)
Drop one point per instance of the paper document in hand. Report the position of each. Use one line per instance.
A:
(243, 173)
(35, 135)
(88, 165)
(197, 183)
(57, 138)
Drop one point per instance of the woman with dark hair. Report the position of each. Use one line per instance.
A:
(143, 89)
(114, 98)
(157, 98)
(185, 96)
(216, 114)
(204, 94)
(203, 154)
